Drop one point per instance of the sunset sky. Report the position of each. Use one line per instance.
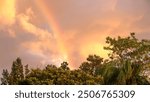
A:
(44, 32)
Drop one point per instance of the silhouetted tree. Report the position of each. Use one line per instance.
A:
(93, 62)
(5, 77)
(16, 74)
(64, 66)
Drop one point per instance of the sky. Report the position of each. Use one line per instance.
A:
(44, 32)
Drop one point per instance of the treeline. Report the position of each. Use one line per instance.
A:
(128, 64)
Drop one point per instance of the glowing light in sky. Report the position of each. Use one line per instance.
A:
(57, 32)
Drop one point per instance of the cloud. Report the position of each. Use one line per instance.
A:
(24, 20)
(85, 25)
(43, 45)
(21, 36)
(7, 12)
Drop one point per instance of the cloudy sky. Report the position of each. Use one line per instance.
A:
(52, 31)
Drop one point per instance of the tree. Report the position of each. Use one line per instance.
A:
(16, 74)
(64, 66)
(131, 58)
(51, 66)
(5, 78)
(128, 48)
(109, 72)
(93, 62)
(27, 71)
(59, 76)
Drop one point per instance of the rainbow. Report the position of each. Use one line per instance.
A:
(48, 14)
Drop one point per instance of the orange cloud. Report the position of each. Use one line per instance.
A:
(84, 30)
(46, 50)
(7, 12)
(73, 29)
(44, 44)
(24, 20)
(56, 29)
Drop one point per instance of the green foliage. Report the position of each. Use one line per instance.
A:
(17, 72)
(64, 66)
(128, 48)
(27, 71)
(51, 76)
(93, 62)
(131, 57)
